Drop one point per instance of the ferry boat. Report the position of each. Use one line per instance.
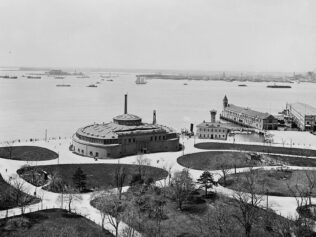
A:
(278, 86)
(92, 85)
(140, 80)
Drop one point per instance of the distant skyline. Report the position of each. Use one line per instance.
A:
(189, 35)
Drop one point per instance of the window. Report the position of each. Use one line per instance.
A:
(151, 138)
(129, 140)
(97, 154)
(134, 140)
(91, 153)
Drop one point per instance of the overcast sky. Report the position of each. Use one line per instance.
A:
(243, 35)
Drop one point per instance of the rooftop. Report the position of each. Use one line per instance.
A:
(213, 125)
(127, 117)
(304, 109)
(247, 111)
(113, 130)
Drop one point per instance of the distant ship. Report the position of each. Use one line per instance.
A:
(84, 76)
(140, 80)
(278, 86)
(33, 77)
(109, 80)
(59, 77)
(92, 85)
(185, 84)
(62, 85)
(242, 85)
(8, 77)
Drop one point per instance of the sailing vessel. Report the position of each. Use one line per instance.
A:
(140, 80)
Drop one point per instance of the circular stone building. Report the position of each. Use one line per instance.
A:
(126, 135)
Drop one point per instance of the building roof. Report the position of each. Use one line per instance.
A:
(127, 117)
(212, 125)
(247, 111)
(113, 130)
(304, 109)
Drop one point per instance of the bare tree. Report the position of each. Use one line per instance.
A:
(311, 184)
(111, 208)
(247, 202)
(120, 176)
(142, 162)
(19, 193)
(71, 195)
(224, 167)
(182, 186)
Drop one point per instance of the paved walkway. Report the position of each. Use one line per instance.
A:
(285, 206)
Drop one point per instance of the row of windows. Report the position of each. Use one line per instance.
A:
(211, 136)
(96, 154)
(96, 140)
(214, 130)
(153, 138)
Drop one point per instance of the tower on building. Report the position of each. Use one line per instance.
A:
(225, 102)
(213, 115)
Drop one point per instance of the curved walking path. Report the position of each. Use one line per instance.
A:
(285, 206)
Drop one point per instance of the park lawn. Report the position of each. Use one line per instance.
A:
(255, 148)
(99, 176)
(213, 160)
(51, 222)
(273, 182)
(6, 191)
(27, 153)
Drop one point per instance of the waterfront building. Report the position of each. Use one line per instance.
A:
(247, 117)
(213, 129)
(126, 135)
(303, 115)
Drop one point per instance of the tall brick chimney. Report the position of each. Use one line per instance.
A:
(154, 117)
(125, 105)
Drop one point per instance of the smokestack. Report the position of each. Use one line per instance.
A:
(154, 117)
(191, 128)
(125, 105)
(213, 115)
